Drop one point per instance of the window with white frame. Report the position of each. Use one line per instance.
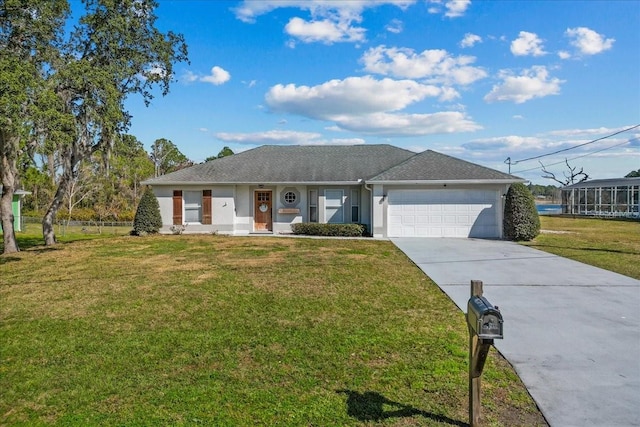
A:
(313, 205)
(334, 206)
(355, 206)
(192, 206)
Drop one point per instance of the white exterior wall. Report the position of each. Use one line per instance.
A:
(243, 220)
(233, 210)
(223, 209)
(378, 211)
(165, 200)
(282, 221)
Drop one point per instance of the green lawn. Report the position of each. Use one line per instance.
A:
(234, 331)
(610, 244)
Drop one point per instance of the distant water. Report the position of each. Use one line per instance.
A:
(549, 209)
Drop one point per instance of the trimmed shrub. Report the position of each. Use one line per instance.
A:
(147, 219)
(338, 230)
(521, 220)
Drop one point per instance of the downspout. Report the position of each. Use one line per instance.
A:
(365, 185)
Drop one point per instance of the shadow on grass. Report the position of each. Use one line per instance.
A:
(8, 259)
(369, 406)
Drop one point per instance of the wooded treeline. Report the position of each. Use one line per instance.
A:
(107, 185)
(63, 85)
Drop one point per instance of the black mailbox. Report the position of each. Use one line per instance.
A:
(484, 318)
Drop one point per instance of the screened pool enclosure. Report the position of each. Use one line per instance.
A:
(603, 197)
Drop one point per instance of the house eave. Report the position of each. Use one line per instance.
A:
(254, 183)
(448, 181)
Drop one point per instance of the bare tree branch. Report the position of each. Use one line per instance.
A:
(570, 177)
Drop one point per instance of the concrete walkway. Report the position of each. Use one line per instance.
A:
(572, 331)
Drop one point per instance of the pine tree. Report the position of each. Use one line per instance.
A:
(147, 219)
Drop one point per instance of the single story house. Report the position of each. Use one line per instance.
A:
(616, 197)
(393, 191)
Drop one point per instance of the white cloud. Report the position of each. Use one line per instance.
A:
(351, 96)
(330, 21)
(470, 40)
(436, 66)
(527, 44)
(284, 137)
(386, 124)
(395, 26)
(217, 76)
(456, 8)
(453, 8)
(563, 54)
(532, 83)
(325, 31)
(154, 72)
(367, 105)
(189, 77)
(587, 41)
(587, 132)
(510, 143)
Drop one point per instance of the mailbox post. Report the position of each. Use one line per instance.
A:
(485, 324)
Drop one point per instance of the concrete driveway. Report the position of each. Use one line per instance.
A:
(572, 331)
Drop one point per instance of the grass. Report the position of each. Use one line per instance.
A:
(213, 330)
(610, 244)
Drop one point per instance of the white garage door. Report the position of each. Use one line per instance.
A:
(443, 213)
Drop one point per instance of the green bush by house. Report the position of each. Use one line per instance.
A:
(147, 219)
(339, 230)
(521, 220)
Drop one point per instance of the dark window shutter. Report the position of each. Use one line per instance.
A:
(206, 206)
(177, 207)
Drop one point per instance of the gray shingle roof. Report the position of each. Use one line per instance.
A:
(432, 166)
(291, 164)
(326, 164)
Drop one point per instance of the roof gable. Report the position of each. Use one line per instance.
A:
(432, 166)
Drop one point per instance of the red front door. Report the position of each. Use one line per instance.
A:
(262, 211)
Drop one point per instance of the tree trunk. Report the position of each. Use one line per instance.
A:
(48, 231)
(8, 233)
(9, 170)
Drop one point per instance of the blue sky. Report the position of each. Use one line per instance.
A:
(479, 80)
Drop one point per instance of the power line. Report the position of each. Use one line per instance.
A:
(570, 148)
(573, 158)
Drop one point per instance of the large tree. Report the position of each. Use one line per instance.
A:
(30, 37)
(115, 51)
(167, 157)
(70, 93)
(226, 151)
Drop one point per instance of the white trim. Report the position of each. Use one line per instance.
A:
(450, 182)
